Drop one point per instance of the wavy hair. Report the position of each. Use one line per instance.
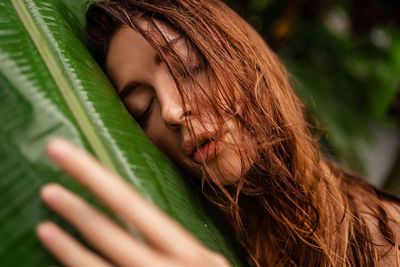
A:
(292, 206)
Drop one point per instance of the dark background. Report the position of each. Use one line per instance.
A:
(345, 59)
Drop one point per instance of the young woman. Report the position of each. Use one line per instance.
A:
(209, 92)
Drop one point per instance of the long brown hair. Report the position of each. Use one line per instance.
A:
(291, 206)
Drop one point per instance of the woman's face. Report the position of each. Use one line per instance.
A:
(149, 92)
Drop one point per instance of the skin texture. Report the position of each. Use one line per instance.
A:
(175, 247)
(132, 63)
(131, 60)
(294, 206)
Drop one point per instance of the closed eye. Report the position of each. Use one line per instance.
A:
(143, 117)
(200, 67)
(195, 70)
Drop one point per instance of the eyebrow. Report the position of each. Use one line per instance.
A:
(175, 40)
(133, 85)
(157, 58)
(128, 89)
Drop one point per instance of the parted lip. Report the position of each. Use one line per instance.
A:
(189, 146)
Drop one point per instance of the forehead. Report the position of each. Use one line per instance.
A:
(129, 48)
(165, 29)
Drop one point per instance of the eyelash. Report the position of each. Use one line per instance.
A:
(200, 67)
(144, 116)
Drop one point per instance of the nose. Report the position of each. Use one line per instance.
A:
(174, 111)
(173, 114)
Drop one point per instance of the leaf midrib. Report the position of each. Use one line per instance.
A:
(63, 84)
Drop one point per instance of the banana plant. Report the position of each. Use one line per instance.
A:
(51, 86)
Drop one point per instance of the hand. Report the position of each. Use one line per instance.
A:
(169, 243)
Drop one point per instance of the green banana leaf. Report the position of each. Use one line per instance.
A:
(50, 85)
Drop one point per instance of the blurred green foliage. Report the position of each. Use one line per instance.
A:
(345, 60)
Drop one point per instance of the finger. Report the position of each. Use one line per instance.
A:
(65, 248)
(160, 230)
(98, 229)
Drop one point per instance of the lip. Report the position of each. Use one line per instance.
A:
(198, 151)
(205, 152)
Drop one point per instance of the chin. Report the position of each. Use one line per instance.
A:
(226, 167)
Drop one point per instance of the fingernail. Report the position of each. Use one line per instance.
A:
(50, 192)
(45, 231)
(58, 149)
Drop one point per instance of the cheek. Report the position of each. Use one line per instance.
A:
(232, 166)
(166, 140)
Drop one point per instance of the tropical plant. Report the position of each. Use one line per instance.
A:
(50, 85)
